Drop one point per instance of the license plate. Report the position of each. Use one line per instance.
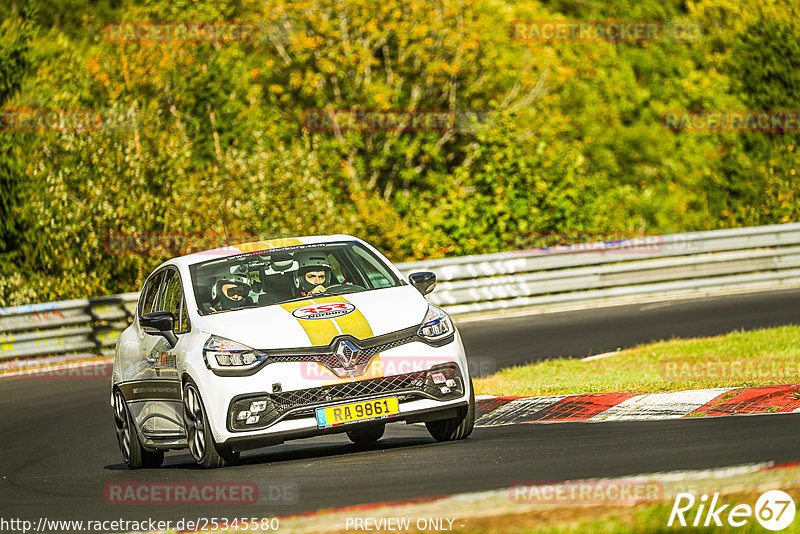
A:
(357, 412)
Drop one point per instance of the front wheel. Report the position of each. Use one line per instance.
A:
(134, 454)
(198, 432)
(460, 426)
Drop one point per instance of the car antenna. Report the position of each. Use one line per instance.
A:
(227, 241)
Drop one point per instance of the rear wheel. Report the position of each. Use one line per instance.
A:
(363, 436)
(198, 432)
(458, 427)
(134, 454)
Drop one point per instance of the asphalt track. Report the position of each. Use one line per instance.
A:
(59, 454)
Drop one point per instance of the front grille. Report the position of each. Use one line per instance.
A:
(331, 361)
(363, 388)
(302, 402)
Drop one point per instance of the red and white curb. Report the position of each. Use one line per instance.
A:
(497, 411)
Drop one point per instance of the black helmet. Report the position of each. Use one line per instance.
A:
(240, 286)
(308, 261)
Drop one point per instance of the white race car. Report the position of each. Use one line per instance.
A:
(250, 345)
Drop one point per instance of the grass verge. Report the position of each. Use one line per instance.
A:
(738, 359)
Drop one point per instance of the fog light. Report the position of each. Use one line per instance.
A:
(450, 383)
(241, 416)
(258, 406)
(253, 419)
(445, 390)
(438, 378)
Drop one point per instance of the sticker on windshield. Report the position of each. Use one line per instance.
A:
(329, 310)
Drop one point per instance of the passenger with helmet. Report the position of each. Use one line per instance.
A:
(313, 274)
(229, 292)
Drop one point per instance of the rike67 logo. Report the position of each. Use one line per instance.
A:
(774, 510)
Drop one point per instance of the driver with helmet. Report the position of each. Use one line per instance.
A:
(313, 274)
(229, 292)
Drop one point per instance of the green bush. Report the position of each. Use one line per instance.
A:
(552, 137)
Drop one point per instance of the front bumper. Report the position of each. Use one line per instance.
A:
(440, 383)
(289, 411)
(298, 430)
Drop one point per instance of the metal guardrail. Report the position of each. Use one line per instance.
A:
(584, 274)
(591, 273)
(78, 329)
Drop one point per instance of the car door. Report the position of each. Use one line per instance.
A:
(149, 304)
(132, 354)
(159, 411)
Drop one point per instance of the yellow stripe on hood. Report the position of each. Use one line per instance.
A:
(319, 332)
(322, 332)
(353, 323)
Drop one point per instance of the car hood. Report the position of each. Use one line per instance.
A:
(363, 315)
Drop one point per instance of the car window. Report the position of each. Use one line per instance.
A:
(148, 298)
(336, 268)
(171, 296)
(274, 276)
(184, 322)
(378, 275)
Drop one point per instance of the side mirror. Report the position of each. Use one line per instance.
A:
(160, 323)
(424, 281)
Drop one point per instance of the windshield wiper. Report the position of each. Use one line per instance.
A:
(246, 307)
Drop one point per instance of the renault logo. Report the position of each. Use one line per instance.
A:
(347, 353)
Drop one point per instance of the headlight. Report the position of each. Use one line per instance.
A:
(221, 353)
(436, 325)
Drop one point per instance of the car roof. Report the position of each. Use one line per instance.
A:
(267, 244)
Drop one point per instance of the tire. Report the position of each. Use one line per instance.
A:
(198, 432)
(458, 427)
(134, 454)
(367, 435)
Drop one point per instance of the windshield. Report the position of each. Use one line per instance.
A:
(277, 275)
